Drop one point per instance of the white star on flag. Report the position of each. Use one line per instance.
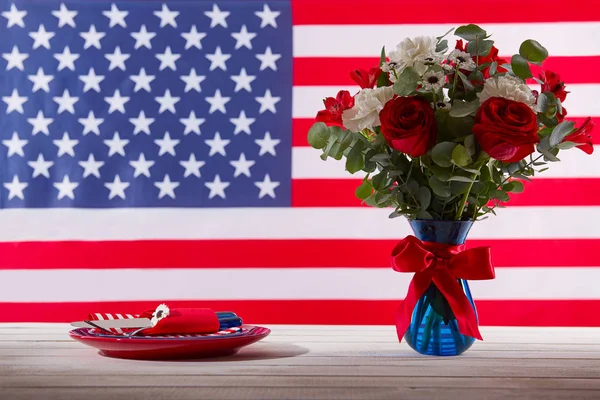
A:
(242, 123)
(116, 188)
(141, 123)
(15, 188)
(217, 145)
(242, 166)
(91, 166)
(15, 145)
(116, 16)
(66, 188)
(66, 59)
(41, 37)
(267, 144)
(268, 59)
(167, 102)
(217, 102)
(168, 59)
(14, 102)
(117, 59)
(116, 102)
(40, 166)
(65, 16)
(92, 38)
(192, 123)
(217, 17)
(267, 17)
(40, 81)
(218, 59)
(267, 102)
(243, 38)
(217, 187)
(243, 81)
(192, 166)
(166, 144)
(143, 38)
(91, 124)
(66, 102)
(40, 123)
(142, 81)
(193, 81)
(15, 59)
(116, 145)
(193, 38)
(167, 17)
(66, 145)
(141, 166)
(14, 17)
(267, 187)
(91, 81)
(166, 187)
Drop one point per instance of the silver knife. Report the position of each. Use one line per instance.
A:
(114, 323)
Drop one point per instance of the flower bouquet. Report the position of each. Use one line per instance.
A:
(443, 136)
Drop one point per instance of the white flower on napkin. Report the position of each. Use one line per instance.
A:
(162, 311)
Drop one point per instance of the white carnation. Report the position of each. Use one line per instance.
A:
(415, 52)
(367, 105)
(509, 87)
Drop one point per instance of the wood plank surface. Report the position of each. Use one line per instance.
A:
(310, 362)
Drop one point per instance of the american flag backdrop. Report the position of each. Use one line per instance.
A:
(155, 152)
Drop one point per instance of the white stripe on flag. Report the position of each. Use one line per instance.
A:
(297, 284)
(278, 223)
(560, 38)
(306, 164)
(308, 100)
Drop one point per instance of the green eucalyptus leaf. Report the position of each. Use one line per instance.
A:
(560, 132)
(441, 46)
(379, 180)
(520, 67)
(424, 215)
(364, 190)
(459, 187)
(443, 174)
(566, 145)
(480, 47)
(465, 81)
(533, 51)
(424, 198)
(514, 187)
(318, 134)
(462, 109)
(500, 195)
(407, 82)
(440, 188)
(470, 32)
(458, 178)
(470, 144)
(441, 154)
(355, 160)
(493, 68)
(460, 156)
(548, 156)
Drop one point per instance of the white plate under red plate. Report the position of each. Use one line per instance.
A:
(177, 347)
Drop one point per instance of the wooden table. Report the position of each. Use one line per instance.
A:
(39, 361)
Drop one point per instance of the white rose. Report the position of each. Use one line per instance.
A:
(509, 87)
(367, 105)
(415, 52)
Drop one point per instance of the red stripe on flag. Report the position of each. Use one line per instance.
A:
(539, 192)
(363, 12)
(275, 253)
(323, 312)
(321, 71)
(300, 127)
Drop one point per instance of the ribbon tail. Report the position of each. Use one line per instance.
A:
(417, 287)
(461, 307)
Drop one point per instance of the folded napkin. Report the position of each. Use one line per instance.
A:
(176, 321)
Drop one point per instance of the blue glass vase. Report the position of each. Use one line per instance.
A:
(433, 328)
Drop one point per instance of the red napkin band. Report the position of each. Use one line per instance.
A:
(441, 264)
(183, 321)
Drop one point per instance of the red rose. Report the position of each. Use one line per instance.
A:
(506, 129)
(366, 79)
(408, 125)
(583, 136)
(334, 107)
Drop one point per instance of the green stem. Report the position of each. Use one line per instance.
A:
(463, 201)
(455, 83)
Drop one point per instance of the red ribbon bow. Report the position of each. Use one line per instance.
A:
(441, 264)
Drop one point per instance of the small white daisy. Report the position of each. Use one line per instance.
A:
(162, 311)
(443, 104)
(463, 59)
(447, 67)
(433, 80)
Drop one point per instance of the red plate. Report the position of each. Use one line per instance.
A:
(151, 348)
